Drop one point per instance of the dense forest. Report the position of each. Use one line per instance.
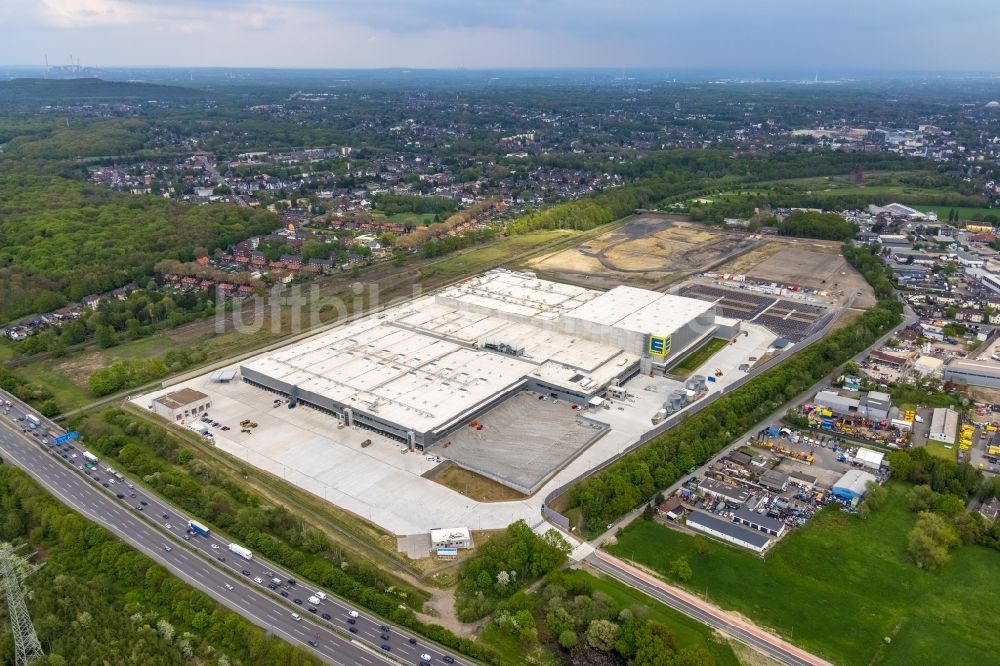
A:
(98, 601)
(61, 240)
(390, 204)
(810, 224)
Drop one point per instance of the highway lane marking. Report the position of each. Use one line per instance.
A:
(174, 563)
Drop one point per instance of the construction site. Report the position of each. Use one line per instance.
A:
(650, 249)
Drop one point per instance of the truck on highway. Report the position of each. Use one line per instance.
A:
(198, 528)
(241, 551)
(33, 421)
(314, 601)
(90, 458)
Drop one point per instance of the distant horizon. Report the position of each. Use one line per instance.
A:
(649, 74)
(851, 35)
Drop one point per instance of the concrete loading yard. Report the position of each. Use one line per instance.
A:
(320, 453)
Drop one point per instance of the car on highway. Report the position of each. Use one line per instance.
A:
(386, 647)
(186, 537)
(246, 572)
(167, 548)
(448, 659)
(221, 558)
(353, 613)
(351, 620)
(384, 628)
(297, 602)
(258, 579)
(353, 630)
(168, 526)
(120, 496)
(413, 641)
(385, 636)
(144, 502)
(138, 507)
(296, 617)
(284, 593)
(425, 657)
(228, 586)
(215, 546)
(105, 484)
(272, 586)
(312, 610)
(291, 581)
(313, 643)
(325, 616)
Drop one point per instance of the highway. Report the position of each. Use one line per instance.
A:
(206, 562)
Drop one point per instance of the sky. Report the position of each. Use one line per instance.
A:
(928, 35)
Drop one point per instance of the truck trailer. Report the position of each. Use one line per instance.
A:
(198, 528)
(241, 551)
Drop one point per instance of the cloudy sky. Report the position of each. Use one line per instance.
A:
(841, 35)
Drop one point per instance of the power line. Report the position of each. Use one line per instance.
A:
(13, 570)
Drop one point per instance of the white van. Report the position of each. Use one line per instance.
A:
(320, 595)
(313, 600)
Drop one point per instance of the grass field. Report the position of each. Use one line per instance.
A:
(840, 585)
(419, 219)
(473, 485)
(938, 450)
(877, 184)
(698, 357)
(481, 258)
(964, 212)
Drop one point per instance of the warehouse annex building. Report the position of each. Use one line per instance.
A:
(419, 371)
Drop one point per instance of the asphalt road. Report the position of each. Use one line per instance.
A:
(765, 643)
(196, 561)
(743, 632)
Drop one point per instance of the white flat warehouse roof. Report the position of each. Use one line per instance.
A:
(410, 378)
(423, 364)
(641, 310)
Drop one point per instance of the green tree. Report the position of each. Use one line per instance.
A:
(105, 336)
(602, 634)
(568, 639)
(681, 569)
(930, 541)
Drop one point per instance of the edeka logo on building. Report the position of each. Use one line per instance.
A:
(659, 346)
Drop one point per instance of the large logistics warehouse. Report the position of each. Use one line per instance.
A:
(419, 371)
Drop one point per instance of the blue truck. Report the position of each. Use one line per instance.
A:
(198, 528)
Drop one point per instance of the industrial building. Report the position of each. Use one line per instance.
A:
(419, 371)
(181, 406)
(759, 522)
(869, 459)
(944, 425)
(853, 485)
(452, 537)
(969, 372)
(727, 531)
(717, 490)
(875, 405)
